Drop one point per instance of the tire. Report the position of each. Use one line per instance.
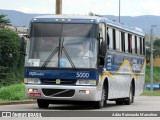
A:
(42, 103)
(130, 99)
(133, 99)
(100, 104)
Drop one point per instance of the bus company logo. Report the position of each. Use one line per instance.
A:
(58, 81)
(36, 74)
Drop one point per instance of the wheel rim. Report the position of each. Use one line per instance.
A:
(130, 96)
(103, 98)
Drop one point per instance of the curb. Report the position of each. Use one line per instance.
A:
(18, 102)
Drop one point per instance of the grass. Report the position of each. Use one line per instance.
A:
(12, 93)
(156, 74)
(8, 101)
(156, 77)
(151, 93)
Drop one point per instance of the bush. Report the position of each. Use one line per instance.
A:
(14, 92)
(9, 48)
(156, 74)
(11, 61)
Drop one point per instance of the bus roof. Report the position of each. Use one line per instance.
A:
(86, 19)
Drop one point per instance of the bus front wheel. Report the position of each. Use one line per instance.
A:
(130, 99)
(42, 103)
(102, 102)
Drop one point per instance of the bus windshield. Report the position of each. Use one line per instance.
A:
(62, 45)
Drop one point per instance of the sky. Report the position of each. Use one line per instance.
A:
(83, 7)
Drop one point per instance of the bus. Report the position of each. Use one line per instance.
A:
(83, 59)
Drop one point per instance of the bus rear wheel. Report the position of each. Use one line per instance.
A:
(42, 103)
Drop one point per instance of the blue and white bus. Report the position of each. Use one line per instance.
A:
(83, 59)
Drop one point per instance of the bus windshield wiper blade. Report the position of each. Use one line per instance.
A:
(50, 57)
(68, 57)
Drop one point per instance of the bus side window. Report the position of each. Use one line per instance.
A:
(126, 42)
(102, 43)
(143, 46)
(117, 40)
(114, 39)
(135, 44)
(140, 45)
(123, 41)
(129, 43)
(110, 35)
(108, 39)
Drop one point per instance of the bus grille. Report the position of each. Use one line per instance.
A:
(62, 82)
(58, 92)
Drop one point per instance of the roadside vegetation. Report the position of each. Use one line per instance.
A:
(12, 93)
(151, 93)
(11, 63)
(11, 57)
(156, 75)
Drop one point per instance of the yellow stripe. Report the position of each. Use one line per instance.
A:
(124, 62)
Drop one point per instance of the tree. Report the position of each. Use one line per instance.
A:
(3, 21)
(9, 47)
(10, 56)
(157, 42)
(156, 50)
(93, 14)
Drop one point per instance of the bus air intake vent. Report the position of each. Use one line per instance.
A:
(62, 82)
(58, 92)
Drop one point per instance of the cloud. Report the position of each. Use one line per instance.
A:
(151, 7)
(86, 6)
(35, 10)
(25, 9)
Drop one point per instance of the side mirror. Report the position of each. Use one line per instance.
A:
(23, 53)
(100, 38)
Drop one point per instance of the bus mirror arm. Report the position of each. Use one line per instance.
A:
(103, 49)
(23, 53)
(99, 38)
(26, 36)
(101, 60)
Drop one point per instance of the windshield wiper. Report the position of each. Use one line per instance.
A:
(68, 57)
(60, 49)
(50, 57)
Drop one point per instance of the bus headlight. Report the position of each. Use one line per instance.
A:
(86, 82)
(32, 81)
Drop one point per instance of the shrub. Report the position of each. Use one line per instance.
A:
(14, 92)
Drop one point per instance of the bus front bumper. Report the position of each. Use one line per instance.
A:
(67, 93)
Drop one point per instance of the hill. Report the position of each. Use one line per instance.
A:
(18, 18)
(22, 19)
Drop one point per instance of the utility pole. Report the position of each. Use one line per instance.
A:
(119, 11)
(151, 60)
(58, 7)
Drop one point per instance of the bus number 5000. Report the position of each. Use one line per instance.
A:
(82, 75)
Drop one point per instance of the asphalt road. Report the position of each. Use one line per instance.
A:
(142, 103)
